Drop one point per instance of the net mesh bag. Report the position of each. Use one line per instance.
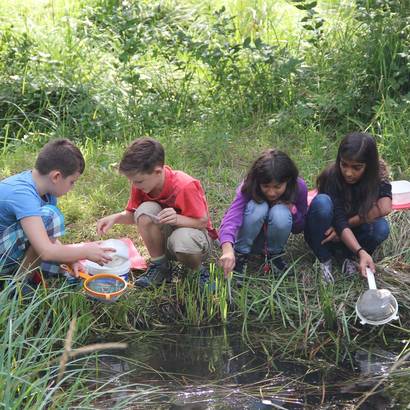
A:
(376, 304)
(105, 285)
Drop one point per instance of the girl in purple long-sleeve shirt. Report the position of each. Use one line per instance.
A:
(270, 203)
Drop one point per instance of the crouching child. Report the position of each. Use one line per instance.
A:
(169, 209)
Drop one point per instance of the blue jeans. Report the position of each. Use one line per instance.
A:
(320, 218)
(252, 236)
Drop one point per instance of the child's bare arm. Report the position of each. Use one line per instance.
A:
(382, 208)
(47, 250)
(227, 260)
(106, 223)
(365, 260)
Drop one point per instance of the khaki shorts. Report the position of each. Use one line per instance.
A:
(178, 240)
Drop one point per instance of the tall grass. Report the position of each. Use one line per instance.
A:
(33, 330)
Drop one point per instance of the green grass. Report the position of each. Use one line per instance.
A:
(30, 349)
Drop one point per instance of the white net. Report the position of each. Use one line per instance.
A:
(376, 304)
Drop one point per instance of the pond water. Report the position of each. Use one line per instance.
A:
(214, 368)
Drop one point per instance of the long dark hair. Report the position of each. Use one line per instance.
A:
(359, 147)
(271, 165)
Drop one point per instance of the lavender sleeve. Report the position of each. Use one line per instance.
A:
(232, 220)
(301, 207)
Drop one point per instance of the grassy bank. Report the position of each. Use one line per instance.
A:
(215, 85)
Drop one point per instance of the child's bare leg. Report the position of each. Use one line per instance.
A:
(189, 246)
(30, 262)
(190, 261)
(152, 236)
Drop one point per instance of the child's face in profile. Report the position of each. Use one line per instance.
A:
(352, 171)
(273, 190)
(148, 183)
(62, 185)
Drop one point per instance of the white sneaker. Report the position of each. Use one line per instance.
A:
(349, 267)
(326, 268)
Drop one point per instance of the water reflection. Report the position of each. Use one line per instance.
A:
(376, 363)
(214, 369)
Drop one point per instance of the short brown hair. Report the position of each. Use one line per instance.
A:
(142, 155)
(61, 155)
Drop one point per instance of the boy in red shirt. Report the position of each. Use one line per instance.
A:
(170, 210)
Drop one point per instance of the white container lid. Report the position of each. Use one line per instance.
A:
(120, 264)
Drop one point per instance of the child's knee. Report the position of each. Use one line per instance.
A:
(280, 217)
(255, 211)
(321, 206)
(141, 214)
(381, 230)
(143, 221)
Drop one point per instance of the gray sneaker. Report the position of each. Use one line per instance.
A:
(349, 267)
(326, 269)
(155, 275)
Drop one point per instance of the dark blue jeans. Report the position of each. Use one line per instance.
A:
(320, 218)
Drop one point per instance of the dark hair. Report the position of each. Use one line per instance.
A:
(142, 155)
(61, 155)
(359, 147)
(272, 165)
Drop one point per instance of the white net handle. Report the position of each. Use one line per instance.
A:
(370, 279)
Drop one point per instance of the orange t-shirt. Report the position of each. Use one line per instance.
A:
(181, 192)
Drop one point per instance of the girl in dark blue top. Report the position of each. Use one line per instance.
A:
(348, 213)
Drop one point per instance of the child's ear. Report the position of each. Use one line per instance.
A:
(55, 175)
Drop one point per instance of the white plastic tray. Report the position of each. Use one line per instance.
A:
(401, 192)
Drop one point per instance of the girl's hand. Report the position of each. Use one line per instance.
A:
(227, 261)
(331, 235)
(168, 216)
(292, 208)
(365, 261)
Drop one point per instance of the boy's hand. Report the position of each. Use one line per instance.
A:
(98, 253)
(77, 267)
(168, 216)
(227, 262)
(105, 224)
(366, 261)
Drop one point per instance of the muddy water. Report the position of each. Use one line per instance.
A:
(215, 369)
